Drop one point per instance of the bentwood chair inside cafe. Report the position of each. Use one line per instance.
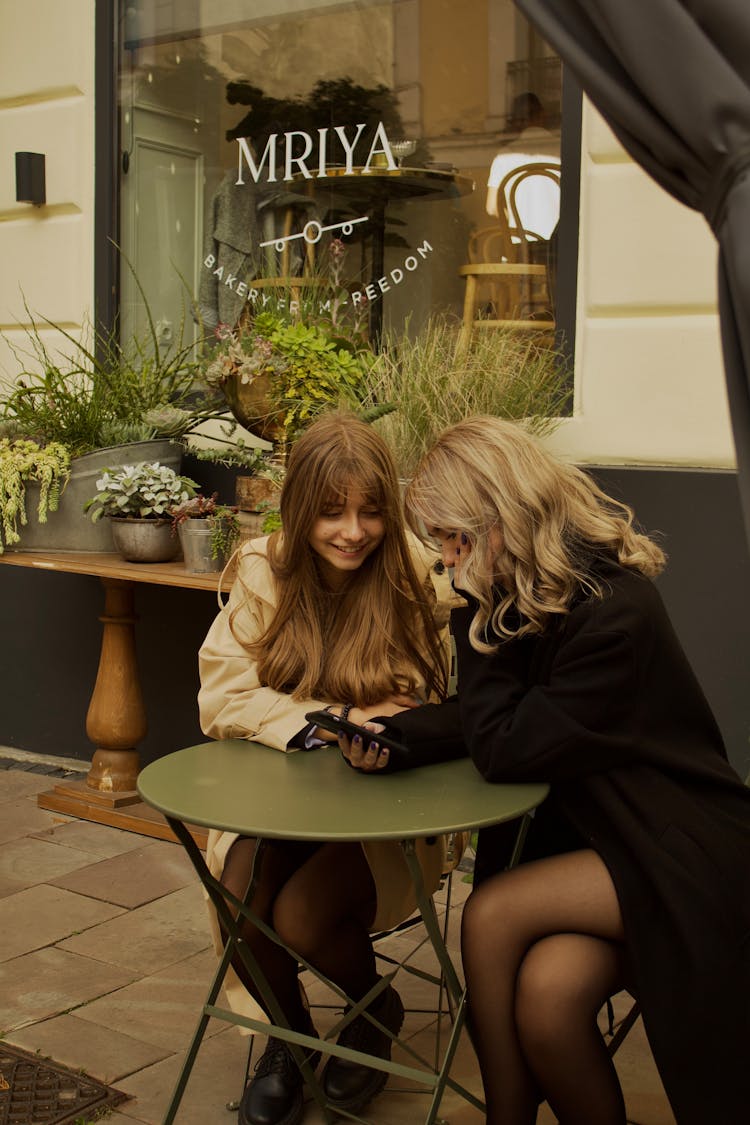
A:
(509, 282)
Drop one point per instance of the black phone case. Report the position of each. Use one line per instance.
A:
(334, 724)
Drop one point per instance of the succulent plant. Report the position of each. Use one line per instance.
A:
(142, 491)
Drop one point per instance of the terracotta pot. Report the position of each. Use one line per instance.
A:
(251, 492)
(253, 407)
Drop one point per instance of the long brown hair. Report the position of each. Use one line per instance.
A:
(374, 637)
(486, 474)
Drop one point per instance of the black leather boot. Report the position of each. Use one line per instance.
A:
(274, 1095)
(349, 1085)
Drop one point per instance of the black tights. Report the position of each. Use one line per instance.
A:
(320, 900)
(542, 950)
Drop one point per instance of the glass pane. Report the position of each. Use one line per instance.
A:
(370, 143)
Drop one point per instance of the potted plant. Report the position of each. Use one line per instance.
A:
(277, 376)
(107, 402)
(258, 477)
(97, 391)
(208, 532)
(138, 499)
(306, 351)
(24, 464)
(436, 382)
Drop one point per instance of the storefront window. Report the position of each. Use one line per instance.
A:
(374, 138)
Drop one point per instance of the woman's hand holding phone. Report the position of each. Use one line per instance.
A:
(359, 744)
(364, 754)
(369, 755)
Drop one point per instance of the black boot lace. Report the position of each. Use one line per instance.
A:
(276, 1059)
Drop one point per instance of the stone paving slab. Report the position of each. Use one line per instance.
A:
(43, 915)
(132, 878)
(99, 840)
(107, 1055)
(21, 817)
(49, 982)
(27, 861)
(16, 783)
(215, 1080)
(161, 1009)
(150, 937)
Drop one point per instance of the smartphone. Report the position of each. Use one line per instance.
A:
(334, 724)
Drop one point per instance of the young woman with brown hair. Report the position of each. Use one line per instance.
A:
(340, 610)
(637, 866)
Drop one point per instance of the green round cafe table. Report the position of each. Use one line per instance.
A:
(249, 788)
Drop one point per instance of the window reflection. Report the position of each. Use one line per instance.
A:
(388, 128)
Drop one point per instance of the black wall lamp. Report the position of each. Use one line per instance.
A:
(30, 178)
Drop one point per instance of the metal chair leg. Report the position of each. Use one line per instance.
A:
(623, 1028)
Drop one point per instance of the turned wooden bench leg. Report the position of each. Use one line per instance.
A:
(116, 719)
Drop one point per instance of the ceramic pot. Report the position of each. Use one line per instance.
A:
(252, 405)
(145, 540)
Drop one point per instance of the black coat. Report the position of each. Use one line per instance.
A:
(605, 707)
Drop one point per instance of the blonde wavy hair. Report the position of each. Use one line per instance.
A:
(486, 475)
(376, 636)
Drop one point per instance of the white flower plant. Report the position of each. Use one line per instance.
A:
(146, 490)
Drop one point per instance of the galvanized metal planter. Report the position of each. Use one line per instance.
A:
(144, 540)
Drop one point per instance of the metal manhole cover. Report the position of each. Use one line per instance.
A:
(37, 1091)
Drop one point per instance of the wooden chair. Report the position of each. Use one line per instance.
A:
(507, 278)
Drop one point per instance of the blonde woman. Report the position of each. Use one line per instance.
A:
(341, 611)
(637, 869)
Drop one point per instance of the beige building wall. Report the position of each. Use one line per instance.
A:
(649, 374)
(47, 106)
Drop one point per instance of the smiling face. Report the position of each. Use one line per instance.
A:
(347, 531)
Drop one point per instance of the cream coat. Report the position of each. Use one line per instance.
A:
(234, 704)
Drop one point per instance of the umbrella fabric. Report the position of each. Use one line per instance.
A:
(672, 79)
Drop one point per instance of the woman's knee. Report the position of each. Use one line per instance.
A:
(491, 919)
(296, 923)
(562, 983)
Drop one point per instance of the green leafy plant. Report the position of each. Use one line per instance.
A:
(221, 518)
(271, 519)
(436, 382)
(304, 352)
(237, 455)
(22, 462)
(146, 490)
(97, 391)
(308, 369)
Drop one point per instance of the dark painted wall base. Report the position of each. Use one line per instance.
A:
(50, 654)
(706, 585)
(51, 632)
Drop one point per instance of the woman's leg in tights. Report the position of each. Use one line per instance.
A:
(278, 862)
(518, 940)
(563, 982)
(320, 900)
(324, 912)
